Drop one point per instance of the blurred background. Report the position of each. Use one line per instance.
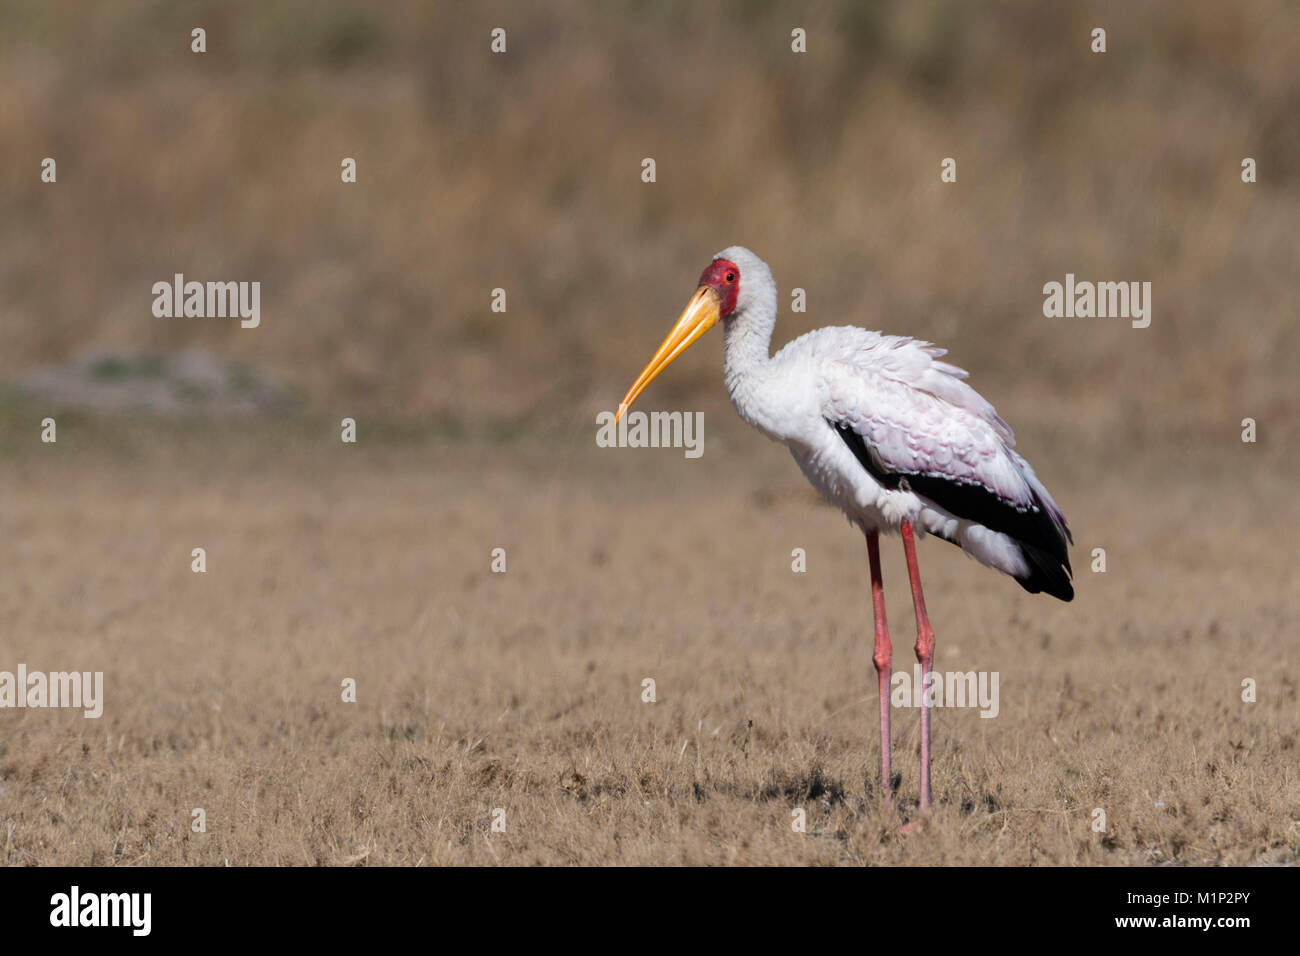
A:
(522, 171)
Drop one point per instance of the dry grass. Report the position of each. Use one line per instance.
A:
(522, 691)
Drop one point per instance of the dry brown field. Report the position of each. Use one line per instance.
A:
(523, 690)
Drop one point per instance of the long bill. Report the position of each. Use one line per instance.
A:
(700, 315)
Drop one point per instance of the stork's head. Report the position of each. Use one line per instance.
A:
(723, 293)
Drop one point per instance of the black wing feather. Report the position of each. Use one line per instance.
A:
(1041, 540)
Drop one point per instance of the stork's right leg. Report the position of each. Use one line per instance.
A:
(881, 657)
(924, 654)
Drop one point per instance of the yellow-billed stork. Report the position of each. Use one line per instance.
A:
(888, 433)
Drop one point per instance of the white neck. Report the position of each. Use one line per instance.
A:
(746, 362)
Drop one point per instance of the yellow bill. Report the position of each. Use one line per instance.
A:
(700, 315)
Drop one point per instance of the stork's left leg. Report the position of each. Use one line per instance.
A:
(881, 656)
(924, 654)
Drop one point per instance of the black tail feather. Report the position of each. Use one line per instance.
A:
(1047, 573)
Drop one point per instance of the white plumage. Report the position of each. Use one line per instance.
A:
(916, 416)
(889, 433)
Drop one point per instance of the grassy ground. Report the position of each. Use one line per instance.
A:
(522, 690)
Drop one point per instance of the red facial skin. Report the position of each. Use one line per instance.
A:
(723, 278)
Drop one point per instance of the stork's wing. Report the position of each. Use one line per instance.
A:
(914, 423)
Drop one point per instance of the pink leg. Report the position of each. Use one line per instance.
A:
(924, 654)
(881, 657)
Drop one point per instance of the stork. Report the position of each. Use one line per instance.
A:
(888, 433)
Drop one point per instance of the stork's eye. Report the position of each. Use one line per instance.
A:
(731, 277)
